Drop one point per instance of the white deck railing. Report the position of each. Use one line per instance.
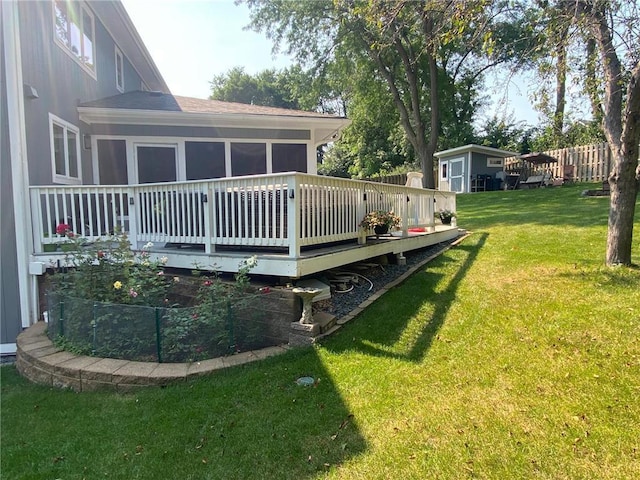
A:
(252, 211)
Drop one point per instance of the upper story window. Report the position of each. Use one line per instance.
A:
(65, 151)
(75, 32)
(119, 70)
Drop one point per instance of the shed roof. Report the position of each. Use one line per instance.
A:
(495, 152)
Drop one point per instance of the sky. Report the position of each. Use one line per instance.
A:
(191, 41)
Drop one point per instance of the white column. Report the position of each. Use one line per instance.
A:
(18, 152)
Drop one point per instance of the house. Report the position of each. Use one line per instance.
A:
(471, 168)
(92, 137)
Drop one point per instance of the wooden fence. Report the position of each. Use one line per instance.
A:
(592, 163)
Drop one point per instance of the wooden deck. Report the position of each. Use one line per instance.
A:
(296, 224)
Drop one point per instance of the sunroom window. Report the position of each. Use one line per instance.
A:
(75, 32)
(65, 151)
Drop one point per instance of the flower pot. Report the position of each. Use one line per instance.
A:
(381, 229)
(50, 247)
(446, 221)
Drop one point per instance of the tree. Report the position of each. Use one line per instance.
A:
(614, 29)
(412, 46)
(292, 88)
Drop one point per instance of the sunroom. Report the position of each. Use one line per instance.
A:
(210, 183)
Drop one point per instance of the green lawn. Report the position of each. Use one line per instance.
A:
(514, 355)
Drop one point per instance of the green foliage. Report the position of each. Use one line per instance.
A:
(215, 326)
(291, 88)
(513, 355)
(107, 305)
(109, 270)
(380, 218)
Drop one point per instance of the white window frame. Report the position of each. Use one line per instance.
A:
(67, 127)
(119, 85)
(444, 170)
(91, 70)
(495, 162)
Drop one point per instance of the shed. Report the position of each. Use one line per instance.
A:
(471, 168)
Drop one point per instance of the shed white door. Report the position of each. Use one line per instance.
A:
(456, 175)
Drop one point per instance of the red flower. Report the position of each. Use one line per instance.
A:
(100, 254)
(208, 283)
(62, 228)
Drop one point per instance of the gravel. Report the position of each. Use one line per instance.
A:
(358, 289)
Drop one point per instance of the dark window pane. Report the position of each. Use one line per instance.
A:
(59, 150)
(289, 157)
(72, 151)
(204, 160)
(156, 164)
(248, 159)
(112, 162)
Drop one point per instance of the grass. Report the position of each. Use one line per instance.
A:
(514, 355)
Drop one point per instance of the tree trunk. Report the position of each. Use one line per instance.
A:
(624, 191)
(622, 130)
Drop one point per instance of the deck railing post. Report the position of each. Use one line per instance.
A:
(361, 211)
(293, 214)
(36, 220)
(405, 200)
(133, 215)
(209, 205)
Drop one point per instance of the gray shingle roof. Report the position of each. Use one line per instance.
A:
(139, 100)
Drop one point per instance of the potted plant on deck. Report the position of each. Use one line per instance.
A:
(381, 221)
(446, 216)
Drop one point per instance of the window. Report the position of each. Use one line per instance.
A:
(65, 151)
(112, 162)
(156, 163)
(289, 157)
(75, 32)
(119, 71)
(204, 160)
(443, 170)
(248, 159)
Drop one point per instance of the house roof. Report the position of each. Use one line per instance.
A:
(164, 109)
(495, 152)
(159, 101)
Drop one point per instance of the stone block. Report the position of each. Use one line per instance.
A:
(134, 373)
(73, 367)
(269, 352)
(238, 359)
(36, 330)
(305, 329)
(39, 357)
(296, 340)
(204, 367)
(43, 342)
(165, 373)
(37, 375)
(101, 371)
(71, 383)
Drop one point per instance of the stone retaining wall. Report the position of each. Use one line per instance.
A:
(41, 362)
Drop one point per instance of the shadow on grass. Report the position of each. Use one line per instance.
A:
(252, 421)
(404, 323)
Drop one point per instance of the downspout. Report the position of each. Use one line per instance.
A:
(18, 153)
